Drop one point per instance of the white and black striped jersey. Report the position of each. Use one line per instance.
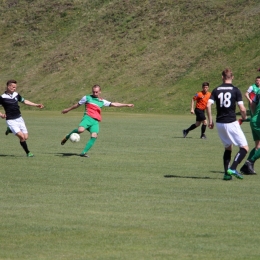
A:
(10, 104)
(226, 97)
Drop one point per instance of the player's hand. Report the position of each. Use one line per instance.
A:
(211, 125)
(3, 116)
(130, 105)
(192, 111)
(64, 111)
(240, 121)
(40, 106)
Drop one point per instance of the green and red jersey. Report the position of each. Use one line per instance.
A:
(252, 91)
(93, 106)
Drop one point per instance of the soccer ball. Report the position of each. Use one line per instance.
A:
(74, 138)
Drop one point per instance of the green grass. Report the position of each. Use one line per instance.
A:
(138, 51)
(145, 193)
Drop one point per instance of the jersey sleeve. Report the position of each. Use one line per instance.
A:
(20, 98)
(106, 103)
(239, 96)
(195, 97)
(212, 97)
(83, 100)
(250, 89)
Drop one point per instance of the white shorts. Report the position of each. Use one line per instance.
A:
(17, 125)
(231, 133)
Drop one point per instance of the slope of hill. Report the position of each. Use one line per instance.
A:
(153, 53)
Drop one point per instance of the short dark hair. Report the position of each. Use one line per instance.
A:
(96, 86)
(258, 77)
(205, 84)
(11, 81)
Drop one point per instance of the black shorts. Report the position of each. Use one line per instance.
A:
(200, 115)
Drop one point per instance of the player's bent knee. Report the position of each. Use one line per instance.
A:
(94, 135)
(21, 136)
(81, 130)
(245, 147)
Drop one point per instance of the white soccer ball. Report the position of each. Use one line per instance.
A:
(74, 138)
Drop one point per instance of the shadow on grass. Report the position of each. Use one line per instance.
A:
(217, 172)
(193, 177)
(67, 154)
(188, 137)
(181, 137)
(188, 177)
(7, 155)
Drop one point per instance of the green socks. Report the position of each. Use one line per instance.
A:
(89, 144)
(255, 156)
(251, 154)
(73, 131)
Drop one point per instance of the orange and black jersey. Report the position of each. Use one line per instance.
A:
(201, 100)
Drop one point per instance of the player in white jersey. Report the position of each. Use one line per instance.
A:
(227, 96)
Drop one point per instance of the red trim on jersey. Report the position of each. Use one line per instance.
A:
(93, 111)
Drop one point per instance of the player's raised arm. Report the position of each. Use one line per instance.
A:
(66, 110)
(114, 104)
(29, 103)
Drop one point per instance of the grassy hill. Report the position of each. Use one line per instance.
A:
(153, 53)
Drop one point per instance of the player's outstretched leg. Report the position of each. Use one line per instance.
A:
(186, 131)
(66, 138)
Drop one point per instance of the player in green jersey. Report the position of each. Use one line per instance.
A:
(248, 167)
(250, 94)
(92, 116)
(253, 90)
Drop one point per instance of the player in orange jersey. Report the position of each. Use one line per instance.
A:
(201, 99)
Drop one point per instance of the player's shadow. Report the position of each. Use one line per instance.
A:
(67, 154)
(187, 177)
(181, 137)
(192, 177)
(217, 172)
(7, 155)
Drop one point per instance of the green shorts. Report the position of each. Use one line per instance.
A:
(90, 124)
(255, 128)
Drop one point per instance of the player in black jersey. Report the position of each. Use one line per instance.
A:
(9, 100)
(227, 96)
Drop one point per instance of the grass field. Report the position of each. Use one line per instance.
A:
(145, 193)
